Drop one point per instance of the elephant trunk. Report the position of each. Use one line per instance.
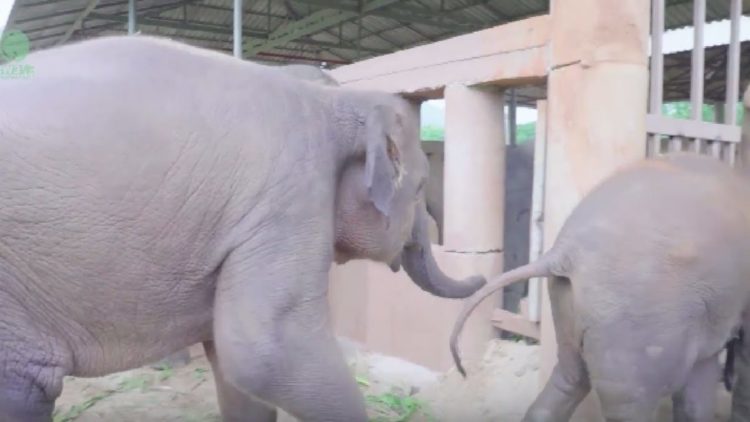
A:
(421, 267)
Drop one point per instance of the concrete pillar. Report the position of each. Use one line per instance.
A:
(474, 170)
(597, 97)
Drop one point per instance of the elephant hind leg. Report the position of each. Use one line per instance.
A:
(741, 389)
(564, 391)
(633, 365)
(272, 332)
(696, 402)
(569, 383)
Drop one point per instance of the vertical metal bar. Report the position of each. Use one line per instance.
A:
(512, 120)
(657, 68)
(359, 29)
(716, 149)
(655, 145)
(697, 145)
(720, 112)
(698, 60)
(657, 56)
(732, 152)
(237, 34)
(131, 17)
(733, 64)
(675, 144)
(536, 244)
(268, 11)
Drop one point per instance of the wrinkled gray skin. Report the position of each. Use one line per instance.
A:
(309, 73)
(648, 279)
(303, 72)
(144, 209)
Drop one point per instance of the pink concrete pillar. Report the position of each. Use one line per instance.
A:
(597, 97)
(474, 170)
(473, 192)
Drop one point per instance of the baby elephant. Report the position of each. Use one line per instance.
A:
(648, 280)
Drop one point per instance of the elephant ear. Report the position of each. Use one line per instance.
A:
(383, 167)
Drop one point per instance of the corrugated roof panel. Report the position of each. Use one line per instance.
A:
(210, 21)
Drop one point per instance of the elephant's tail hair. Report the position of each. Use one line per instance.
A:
(539, 268)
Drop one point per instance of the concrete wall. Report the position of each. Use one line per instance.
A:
(388, 313)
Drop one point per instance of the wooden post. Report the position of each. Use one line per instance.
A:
(597, 104)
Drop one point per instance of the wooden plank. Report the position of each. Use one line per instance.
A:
(515, 323)
(514, 51)
(697, 70)
(692, 128)
(733, 64)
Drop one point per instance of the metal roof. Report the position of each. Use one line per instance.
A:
(333, 31)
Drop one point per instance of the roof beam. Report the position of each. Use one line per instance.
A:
(421, 17)
(60, 13)
(315, 22)
(78, 22)
(221, 30)
(178, 24)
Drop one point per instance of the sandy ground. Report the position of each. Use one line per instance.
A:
(500, 388)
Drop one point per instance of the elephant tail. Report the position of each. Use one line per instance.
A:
(543, 267)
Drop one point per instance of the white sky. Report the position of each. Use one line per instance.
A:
(5, 6)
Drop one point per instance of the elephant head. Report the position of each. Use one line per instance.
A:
(380, 204)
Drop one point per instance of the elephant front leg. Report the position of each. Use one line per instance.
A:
(236, 406)
(272, 335)
(741, 390)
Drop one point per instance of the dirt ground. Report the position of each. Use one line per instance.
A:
(500, 388)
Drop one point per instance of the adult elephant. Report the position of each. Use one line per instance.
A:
(154, 195)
